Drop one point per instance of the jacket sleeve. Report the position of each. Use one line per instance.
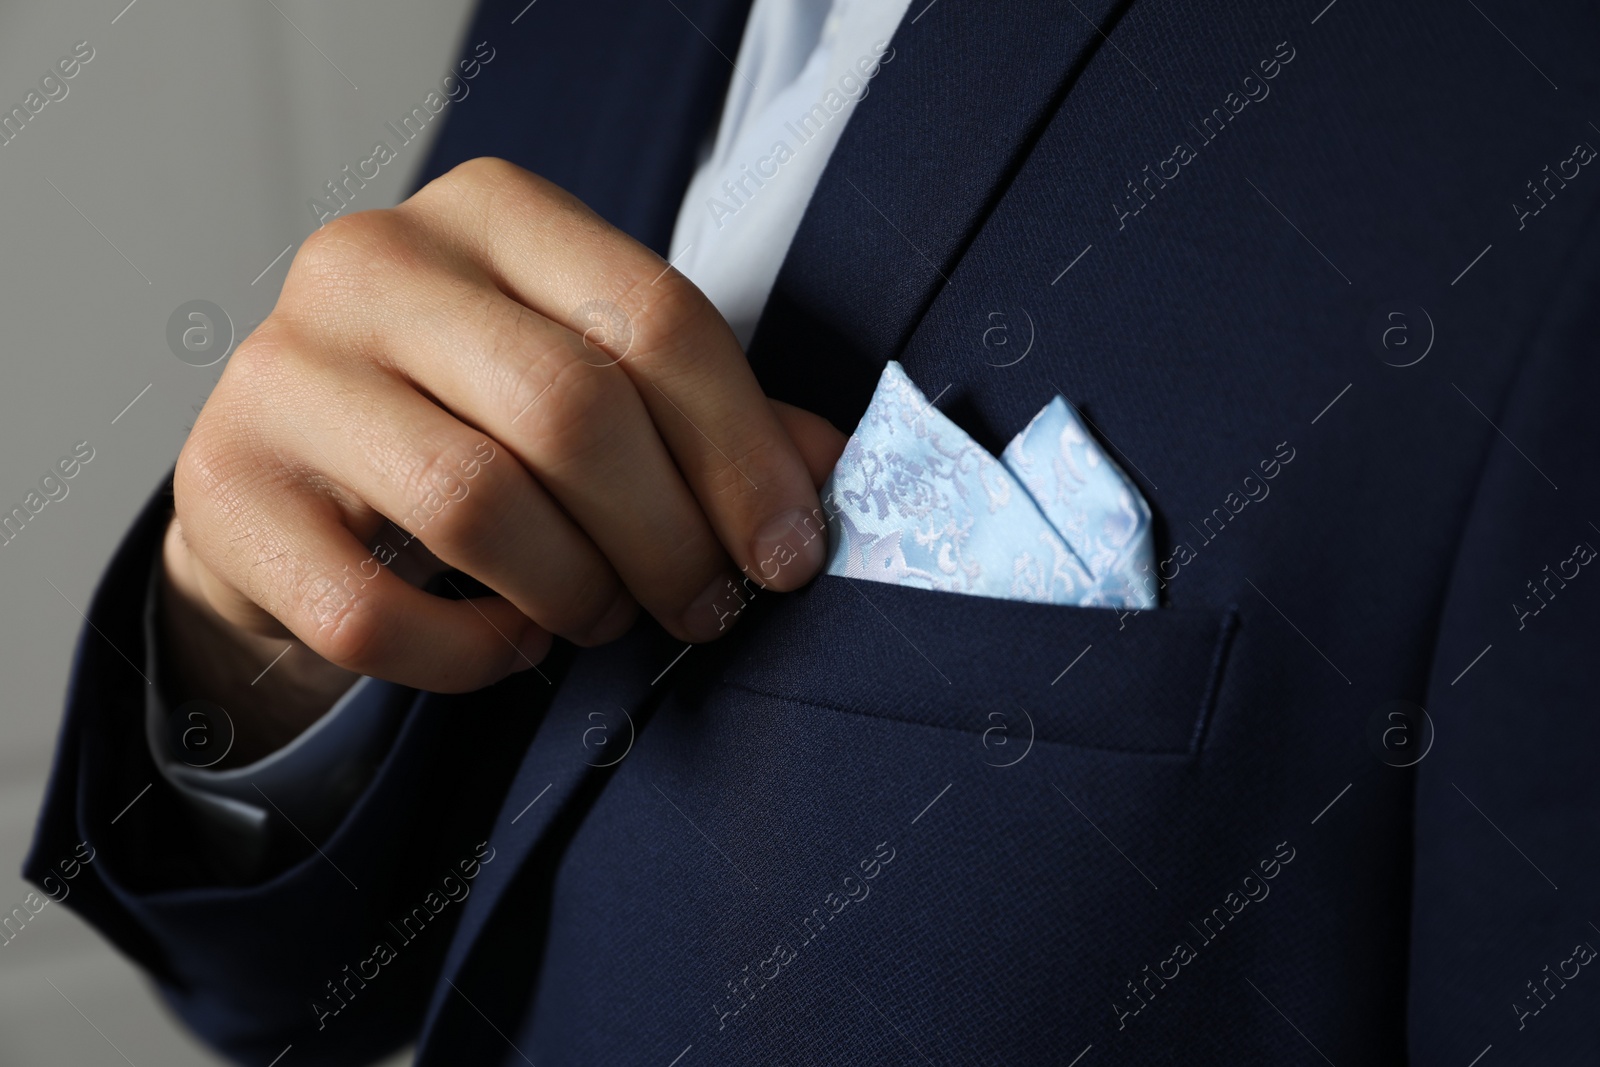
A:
(257, 962)
(305, 787)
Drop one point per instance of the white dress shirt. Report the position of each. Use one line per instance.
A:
(802, 67)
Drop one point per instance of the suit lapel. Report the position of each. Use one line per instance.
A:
(925, 157)
(604, 697)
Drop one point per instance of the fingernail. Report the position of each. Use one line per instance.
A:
(714, 610)
(789, 549)
(532, 646)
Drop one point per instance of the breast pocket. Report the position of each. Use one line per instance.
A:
(1089, 677)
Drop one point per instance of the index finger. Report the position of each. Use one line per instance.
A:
(642, 318)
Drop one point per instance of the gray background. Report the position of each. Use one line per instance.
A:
(192, 141)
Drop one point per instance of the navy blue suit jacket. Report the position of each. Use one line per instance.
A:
(885, 825)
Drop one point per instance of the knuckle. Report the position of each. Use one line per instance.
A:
(525, 368)
(571, 421)
(334, 244)
(479, 185)
(486, 171)
(221, 462)
(453, 490)
(259, 359)
(209, 472)
(348, 259)
(666, 317)
(194, 474)
(348, 628)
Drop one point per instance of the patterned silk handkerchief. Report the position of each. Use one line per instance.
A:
(915, 501)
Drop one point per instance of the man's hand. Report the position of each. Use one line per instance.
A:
(492, 370)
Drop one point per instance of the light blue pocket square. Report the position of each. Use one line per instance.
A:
(915, 501)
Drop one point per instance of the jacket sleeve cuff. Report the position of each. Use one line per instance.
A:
(302, 790)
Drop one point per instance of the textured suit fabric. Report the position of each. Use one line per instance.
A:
(827, 838)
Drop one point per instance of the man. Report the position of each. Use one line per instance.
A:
(1316, 803)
